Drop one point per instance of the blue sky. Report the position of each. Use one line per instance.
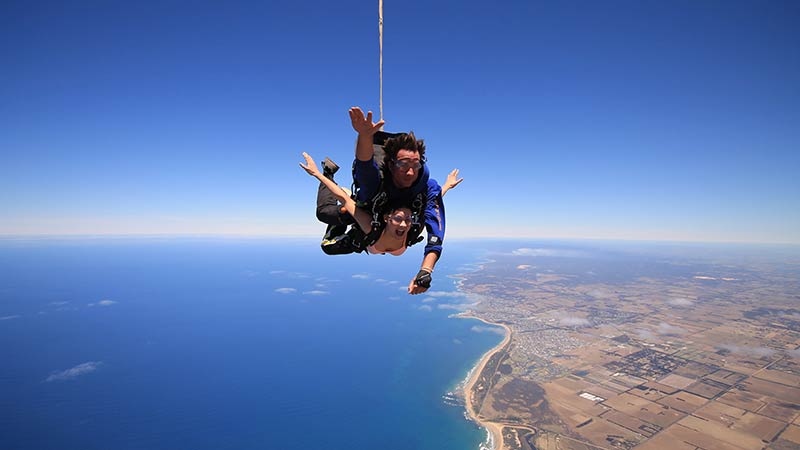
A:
(673, 120)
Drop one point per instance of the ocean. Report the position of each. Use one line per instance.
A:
(167, 343)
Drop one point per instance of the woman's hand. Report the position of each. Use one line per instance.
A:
(310, 166)
(363, 125)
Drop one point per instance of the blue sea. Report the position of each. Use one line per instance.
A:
(230, 344)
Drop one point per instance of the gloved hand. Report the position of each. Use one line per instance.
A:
(423, 279)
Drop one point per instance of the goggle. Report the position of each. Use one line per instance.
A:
(405, 164)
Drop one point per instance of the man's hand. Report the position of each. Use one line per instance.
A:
(452, 181)
(363, 125)
(420, 283)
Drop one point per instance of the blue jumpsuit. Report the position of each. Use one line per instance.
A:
(367, 176)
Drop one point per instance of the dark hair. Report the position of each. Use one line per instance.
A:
(402, 142)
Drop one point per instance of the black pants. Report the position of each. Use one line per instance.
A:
(328, 207)
(328, 211)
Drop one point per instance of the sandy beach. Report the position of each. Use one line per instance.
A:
(494, 428)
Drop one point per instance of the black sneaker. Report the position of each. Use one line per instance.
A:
(329, 168)
(334, 231)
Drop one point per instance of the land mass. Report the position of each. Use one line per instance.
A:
(632, 351)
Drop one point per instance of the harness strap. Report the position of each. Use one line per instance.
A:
(417, 213)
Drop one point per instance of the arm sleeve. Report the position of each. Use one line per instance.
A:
(367, 176)
(434, 218)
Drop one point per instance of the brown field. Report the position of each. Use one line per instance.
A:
(781, 411)
(647, 393)
(707, 389)
(645, 410)
(770, 389)
(764, 428)
(726, 376)
(627, 403)
(722, 433)
(744, 365)
(628, 380)
(694, 370)
(777, 376)
(600, 391)
(659, 415)
(792, 433)
(742, 399)
(734, 418)
(614, 386)
(683, 401)
(676, 381)
(679, 436)
(567, 403)
(573, 384)
(666, 390)
(720, 412)
(603, 433)
(631, 423)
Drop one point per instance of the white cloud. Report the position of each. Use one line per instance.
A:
(316, 292)
(681, 301)
(286, 274)
(106, 302)
(428, 300)
(457, 341)
(74, 372)
(646, 335)
(447, 294)
(758, 352)
(600, 293)
(458, 307)
(58, 303)
(250, 273)
(524, 266)
(286, 290)
(15, 316)
(485, 329)
(453, 307)
(425, 308)
(574, 322)
(669, 330)
(361, 276)
(547, 252)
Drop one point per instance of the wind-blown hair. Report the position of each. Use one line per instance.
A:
(403, 142)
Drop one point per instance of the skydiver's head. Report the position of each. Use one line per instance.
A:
(404, 158)
(398, 221)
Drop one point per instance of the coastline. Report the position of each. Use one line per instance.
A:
(495, 436)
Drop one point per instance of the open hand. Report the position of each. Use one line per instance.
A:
(310, 166)
(363, 125)
(452, 180)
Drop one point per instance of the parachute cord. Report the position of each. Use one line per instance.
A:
(380, 39)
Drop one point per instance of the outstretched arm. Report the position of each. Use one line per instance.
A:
(366, 130)
(452, 181)
(362, 218)
(435, 226)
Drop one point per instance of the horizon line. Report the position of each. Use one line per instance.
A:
(256, 236)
